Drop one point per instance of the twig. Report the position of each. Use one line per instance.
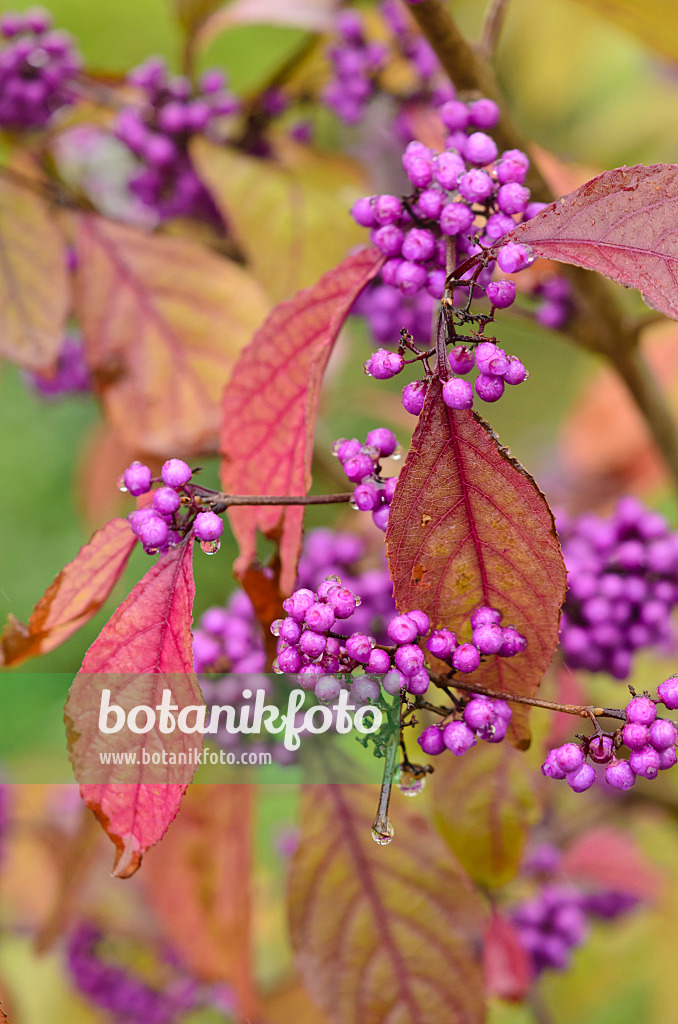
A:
(492, 26)
(224, 501)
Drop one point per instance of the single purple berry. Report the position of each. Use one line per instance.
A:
(501, 293)
(409, 659)
(458, 393)
(514, 643)
(620, 775)
(289, 660)
(419, 245)
(645, 762)
(387, 209)
(512, 198)
(421, 619)
(641, 710)
(380, 662)
(441, 643)
(137, 479)
(166, 500)
(512, 166)
(418, 683)
(365, 690)
(667, 758)
(363, 213)
(389, 239)
(320, 617)
(484, 113)
(358, 467)
(383, 439)
(581, 779)
(431, 740)
(449, 167)
(569, 757)
(153, 532)
(389, 488)
(290, 630)
(495, 732)
(454, 115)
(327, 688)
(393, 682)
(342, 602)
(431, 202)
(484, 616)
(458, 738)
(383, 364)
(480, 149)
(176, 473)
(413, 399)
(466, 658)
(367, 496)
(359, 647)
(208, 526)
(456, 218)
(461, 359)
(513, 257)
(551, 768)
(668, 693)
(601, 749)
(346, 448)
(516, 372)
(380, 517)
(474, 187)
(635, 736)
(489, 638)
(410, 278)
(489, 389)
(479, 713)
(402, 629)
(312, 644)
(662, 734)
(298, 603)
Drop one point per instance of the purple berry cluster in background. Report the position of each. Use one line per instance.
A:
(649, 741)
(388, 312)
(71, 375)
(158, 132)
(174, 510)
(361, 464)
(38, 69)
(356, 63)
(622, 586)
(555, 921)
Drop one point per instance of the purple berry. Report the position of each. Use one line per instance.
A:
(367, 496)
(512, 166)
(166, 501)
(551, 768)
(441, 643)
(635, 736)
(327, 688)
(461, 359)
(137, 479)
(512, 198)
(501, 293)
(176, 473)
(667, 758)
(410, 278)
(457, 393)
(421, 620)
(456, 218)
(290, 630)
(484, 113)
(662, 734)
(298, 603)
(645, 762)
(413, 399)
(431, 740)
(620, 775)
(359, 647)
(458, 738)
(480, 149)
(289, 660)
(418, 683)
(484, 616)
(153, 532)
(479, 713)
(383, 439)
(449, 168)
(489, 389)
(379, 662)
(393, 682)
(402, 629)
(358, 467)
(569, 757)
(601, 749)
(380, 517)
(475, 186)
(342, 602)
(365, 690)
(387, 209)
(320, 617)
(668, 693)
(419, 245)
(516, 372)
(389, 239)
(208, 526)
(582, 779)
(513, 257)
(312, 644)
(514, 643)
(488, 639)
(383, 364)
(409, 659)
(466, 658)
(641, 710)
(455, 115)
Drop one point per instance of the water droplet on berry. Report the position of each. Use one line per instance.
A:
(354, 506)
(384, 834)
(121, 483)
(210, 547)
(411, 784)
(367, 369)
(275, 627)
(358, 600)
(276, 668)
(333, 579)
(337, 445)
(398, 453)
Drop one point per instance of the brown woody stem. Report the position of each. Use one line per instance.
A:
(598, 324)
(223, 501)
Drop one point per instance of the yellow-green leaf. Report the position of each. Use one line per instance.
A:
(289, 215)
(34, 286)
(653, 21)
(484, 804)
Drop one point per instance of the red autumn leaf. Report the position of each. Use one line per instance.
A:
(408, 909)
(271, 403)
(621, 224)
(76, 594)
(207, 917)
(508, 974)
(609, 858)
(469, 526)
(143, 649)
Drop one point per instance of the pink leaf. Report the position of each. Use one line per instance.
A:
(606, 856)
(145, 648)
(271, 403)
(508, 974)
(76, 594)
(622, 224)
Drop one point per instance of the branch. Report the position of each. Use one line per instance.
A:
(598, 324)
(223, 501)
(492, 26)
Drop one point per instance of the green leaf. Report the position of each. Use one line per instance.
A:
(653, 21)
(484, 805)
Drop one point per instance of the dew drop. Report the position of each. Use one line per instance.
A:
(358, 600)
(398, 452)
(384, 834)
(275, 627)
(333, 579)
(210, 547)
(411, 784)
(121, 483)
(337, 445)
(367, 369)
(276, 668)
(354, 506)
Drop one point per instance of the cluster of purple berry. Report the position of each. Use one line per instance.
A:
(38, 67)
(651, 742)
(173, 510)
(71, 375)
(388, 311)
(128, 996)
(451, 191)
(555, 302)
(481, 718)
(229, 639)
(419, 53)
(356, 62)
(622, 586)
(159, 132)
(361, 464)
